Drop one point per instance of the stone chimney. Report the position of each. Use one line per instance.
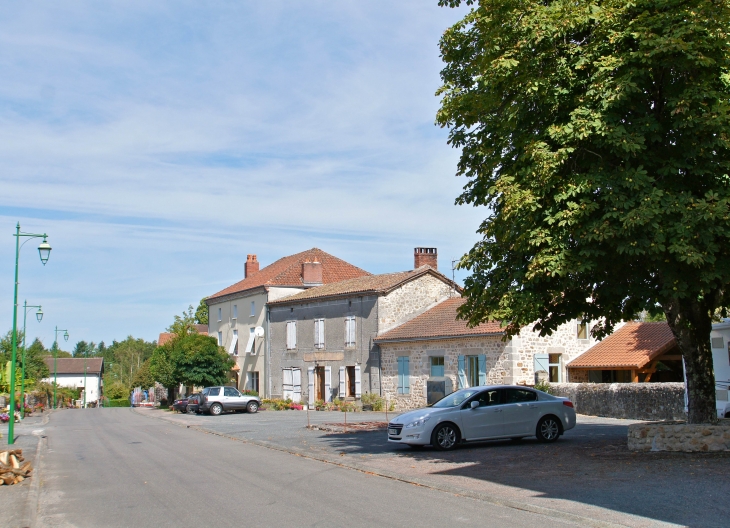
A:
(422, 256)
(312, 273)
(251, 267)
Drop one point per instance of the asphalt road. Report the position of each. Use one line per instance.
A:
(114, 467)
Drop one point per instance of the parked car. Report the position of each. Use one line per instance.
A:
(193, 403)
(181, 404)
(484, 413)
(215, 400)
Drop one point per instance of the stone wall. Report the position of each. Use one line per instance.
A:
(633, 401)
(410, 300)
(679, 437)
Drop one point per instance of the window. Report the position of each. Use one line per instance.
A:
(253, 308)
(582, 331)
(487, 398)
(437, 366)
(291, 335)
(319, 333)
(235, 311)
(351, 383)
(213, 391)
(472, 371)
(350, 332)
(230, 392)
(220, 314)
(404, 381)
(554, 368)
(520, 395)
(251, 341)
(253, 381)
(717, 342)
(235, 343)
(220, 338)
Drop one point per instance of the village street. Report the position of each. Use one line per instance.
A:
(127, 467)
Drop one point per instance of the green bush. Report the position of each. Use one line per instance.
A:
(250, 393)
(120, 402)
(378, 403)
(543, 386)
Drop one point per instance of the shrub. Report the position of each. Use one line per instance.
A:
(119, 402)
(378, 403)
(543, 386)
(278, 404)
(250, 393)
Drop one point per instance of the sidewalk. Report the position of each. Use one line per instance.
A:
(588, 475)
(18, 502)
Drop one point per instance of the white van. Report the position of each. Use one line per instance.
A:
(720, 342)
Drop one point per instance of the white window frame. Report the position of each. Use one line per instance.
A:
(319, 333)
(291, 335)
(220, 338)
(350, 331)
(220, 314)
(235, 344)
(235, 311)
(253, 308)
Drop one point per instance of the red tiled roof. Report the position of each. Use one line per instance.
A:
(382, 283)
(287, 271)
(633, 345)
(439, 322)
(75, 365)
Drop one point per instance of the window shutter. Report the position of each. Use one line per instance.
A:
(462, 372)
(406, 375)
(328, 384)
(296, 385)
(287, 388)
(351, 331)
(400, 374)
(482, 359)
(358, 382)
(342, 382)
(542, 363)
(316, 333)
(347, 331)
(310, 374)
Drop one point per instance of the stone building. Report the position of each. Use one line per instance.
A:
(323, 339)
(236, 312)
(435, 353)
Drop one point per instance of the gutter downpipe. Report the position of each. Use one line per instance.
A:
(267, 350)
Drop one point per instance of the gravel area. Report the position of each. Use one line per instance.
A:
(588, 472)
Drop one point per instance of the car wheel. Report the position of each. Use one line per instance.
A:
(216, 409)
(252, 407)
(445, 437)
(548, 429)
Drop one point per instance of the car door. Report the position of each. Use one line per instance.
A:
(231, 399)
(521, 411)
(484, 421)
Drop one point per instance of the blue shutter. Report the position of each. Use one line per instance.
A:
(482, 359)
(462, 372)
(406, 376)
(400, 375)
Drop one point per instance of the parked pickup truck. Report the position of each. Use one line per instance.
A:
(216, 400)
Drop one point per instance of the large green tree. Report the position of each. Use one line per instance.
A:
(201, 312)
(598, 135)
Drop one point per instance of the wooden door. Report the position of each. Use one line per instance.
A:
(319, 382)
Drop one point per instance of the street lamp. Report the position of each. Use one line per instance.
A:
(39, 316)
(44, 251)
(55, 361)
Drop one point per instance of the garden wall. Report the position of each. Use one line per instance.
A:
(633, 401)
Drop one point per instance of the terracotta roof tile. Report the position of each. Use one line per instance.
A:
(368, 284)
(439, 322)
(287, 271)
(74, 365)
(633, 345)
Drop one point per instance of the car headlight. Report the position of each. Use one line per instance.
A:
(418, 423)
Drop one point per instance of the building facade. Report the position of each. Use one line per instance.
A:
(238, 315)
(323, 340)
(69, 372)
(436, 353)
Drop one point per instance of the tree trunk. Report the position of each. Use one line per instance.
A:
(691, 324)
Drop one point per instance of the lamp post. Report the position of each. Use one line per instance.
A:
(44, 251)
(55, 361)
(39, 316)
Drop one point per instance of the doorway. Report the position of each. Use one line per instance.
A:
(319, 383)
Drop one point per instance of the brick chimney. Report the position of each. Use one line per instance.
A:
(251, 267)
(422, 256)
(312, 273)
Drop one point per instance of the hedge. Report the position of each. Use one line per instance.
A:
(121, 402)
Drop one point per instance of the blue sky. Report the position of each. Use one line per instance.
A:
(158, 143)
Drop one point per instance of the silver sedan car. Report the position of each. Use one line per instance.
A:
(485, 413)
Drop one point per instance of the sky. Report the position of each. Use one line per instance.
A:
(159, 143)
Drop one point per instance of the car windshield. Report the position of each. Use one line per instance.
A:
(455, 398)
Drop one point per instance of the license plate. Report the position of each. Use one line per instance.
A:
(393, 432)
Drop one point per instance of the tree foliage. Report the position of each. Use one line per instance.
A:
(201, 312)
(142, 377)
(598, 135)
(184, 324)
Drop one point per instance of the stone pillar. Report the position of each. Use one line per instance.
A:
(512, 358)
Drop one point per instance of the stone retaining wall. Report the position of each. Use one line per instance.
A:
(679, 436)
(633, 401)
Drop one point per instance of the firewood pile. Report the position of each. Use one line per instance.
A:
(13, 467)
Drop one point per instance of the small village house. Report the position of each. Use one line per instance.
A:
(70, 373)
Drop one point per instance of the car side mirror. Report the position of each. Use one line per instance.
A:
(474, 404)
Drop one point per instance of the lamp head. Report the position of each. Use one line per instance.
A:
(44, 250)
(65, 335)
(39, 314)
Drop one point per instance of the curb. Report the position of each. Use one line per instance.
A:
(454, 490)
